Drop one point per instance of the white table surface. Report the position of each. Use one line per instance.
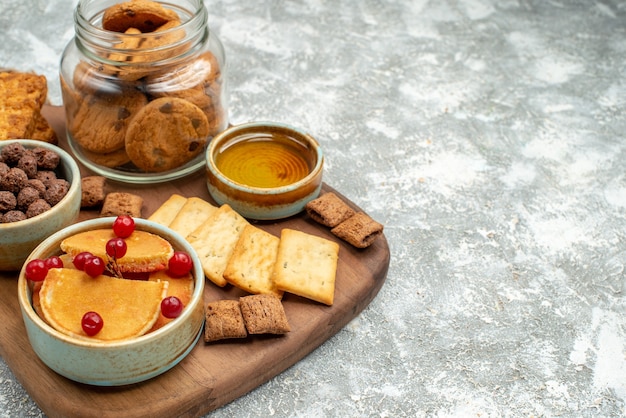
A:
(490, 139)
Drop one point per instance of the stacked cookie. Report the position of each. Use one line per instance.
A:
(142, 108)
(22, 95)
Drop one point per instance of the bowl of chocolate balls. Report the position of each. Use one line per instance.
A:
(40, 194)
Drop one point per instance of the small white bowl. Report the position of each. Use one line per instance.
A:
(18, 239)
(291, 159)
(123, 362)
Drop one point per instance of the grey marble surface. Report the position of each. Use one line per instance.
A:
(490, 139)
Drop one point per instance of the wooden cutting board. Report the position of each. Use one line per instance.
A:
(213, 374)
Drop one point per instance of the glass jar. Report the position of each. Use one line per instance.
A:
(142, 102)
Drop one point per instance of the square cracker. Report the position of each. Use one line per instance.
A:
(191, 215)
(215, 240)
(264, 314)
(329, 210)
(251, 264)
(224, 320)
(166, 213)
(306, 265)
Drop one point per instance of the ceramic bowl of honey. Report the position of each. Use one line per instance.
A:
(264, 170)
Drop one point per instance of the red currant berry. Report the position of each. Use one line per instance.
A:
(54, 262)
(116, 247)
(36, 270)
(79, 260)
(123, 226)
(179, 264)
(92, 323)
(171, 307)
(94, 266)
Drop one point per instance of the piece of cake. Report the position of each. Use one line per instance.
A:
(146, 252)
(129, 308)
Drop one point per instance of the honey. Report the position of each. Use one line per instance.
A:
(264, 160)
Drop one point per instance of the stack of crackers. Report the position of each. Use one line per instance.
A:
(233, 251)
(22, 95)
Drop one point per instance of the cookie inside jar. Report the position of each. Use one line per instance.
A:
(144, 88)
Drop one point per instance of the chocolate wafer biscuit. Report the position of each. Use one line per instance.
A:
(224, 320)
(264, 314)
(329, 210)
(359, 230)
